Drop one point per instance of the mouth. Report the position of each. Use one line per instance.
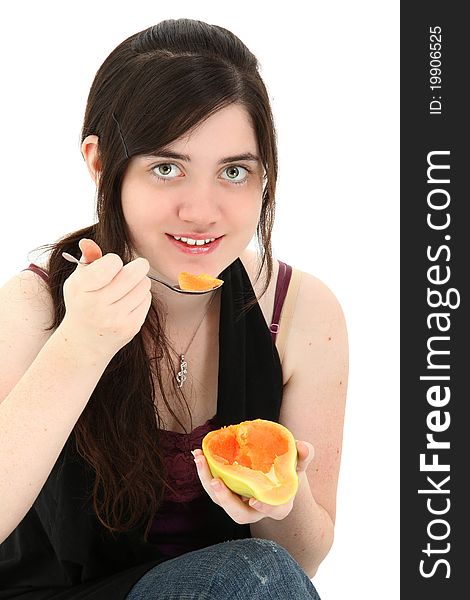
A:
(196, 244)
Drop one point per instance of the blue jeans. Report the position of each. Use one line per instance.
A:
(243, 569)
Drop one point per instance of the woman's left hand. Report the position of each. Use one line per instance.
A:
(249, 510)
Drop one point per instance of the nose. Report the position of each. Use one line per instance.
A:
(200, 206)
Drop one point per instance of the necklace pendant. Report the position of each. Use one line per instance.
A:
(181, 376)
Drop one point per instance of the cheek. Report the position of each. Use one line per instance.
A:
(245, 220)
(129, 207)
(251, 210)
(248, 204)
(137, 206)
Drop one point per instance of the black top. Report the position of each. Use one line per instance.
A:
(61, 551)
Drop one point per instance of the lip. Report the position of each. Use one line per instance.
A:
(198, 250)
(195, 236)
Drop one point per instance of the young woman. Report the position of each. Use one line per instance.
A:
(110, 380)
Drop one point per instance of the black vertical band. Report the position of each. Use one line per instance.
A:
(435, 256)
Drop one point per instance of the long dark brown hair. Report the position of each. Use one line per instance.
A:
(154, 87)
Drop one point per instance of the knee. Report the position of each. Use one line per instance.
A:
(261, 566)
(259, 547)
(264, 556)
(267, 551)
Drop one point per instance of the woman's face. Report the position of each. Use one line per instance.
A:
(204, 186)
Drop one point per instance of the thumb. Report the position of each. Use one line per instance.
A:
(90, 250)
(306, 452)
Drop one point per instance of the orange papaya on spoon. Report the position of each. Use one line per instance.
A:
(198, 283)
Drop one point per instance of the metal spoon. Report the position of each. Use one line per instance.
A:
(175, 288)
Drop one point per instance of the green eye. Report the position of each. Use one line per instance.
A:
(233, 172)
(166, 171)
(236, 174)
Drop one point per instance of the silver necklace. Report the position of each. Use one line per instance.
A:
(182, 374)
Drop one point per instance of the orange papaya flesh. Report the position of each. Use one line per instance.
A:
(255, 458)
(197, 283)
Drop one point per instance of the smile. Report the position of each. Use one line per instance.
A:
(192, 242)
(193, 246)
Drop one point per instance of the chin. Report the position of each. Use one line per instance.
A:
(210, 264)
(208, 267)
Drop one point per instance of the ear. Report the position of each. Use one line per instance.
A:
(90, 154)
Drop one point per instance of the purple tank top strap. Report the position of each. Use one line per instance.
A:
(38, 271)
(282, 285)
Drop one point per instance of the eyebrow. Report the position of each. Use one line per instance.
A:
(164, 153)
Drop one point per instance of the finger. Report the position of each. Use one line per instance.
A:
(305, 450)
(133, 298)
(100, 272)
(130, 277)
(90, 250)
(205, 476)
(240, 511)
(144, 306)
(305, 454)
(215, 487)
(274, 512)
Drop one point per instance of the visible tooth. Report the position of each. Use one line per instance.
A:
(176, 237)
(212, 240)
(200, 242)
(207, 241)
(190, 241)
(184, 239)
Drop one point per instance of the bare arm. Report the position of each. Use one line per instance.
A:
(313, 409)
(36, 419)
(315, 367)
(47, 379)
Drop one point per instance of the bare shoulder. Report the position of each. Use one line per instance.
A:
(26, 312)
(318, 326)
(313, 405)
(316, 303)
(318, 323)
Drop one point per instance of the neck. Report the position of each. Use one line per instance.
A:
(185, 326)
(182, 308)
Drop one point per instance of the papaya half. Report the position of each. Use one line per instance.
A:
(255, 458)
(197, 283)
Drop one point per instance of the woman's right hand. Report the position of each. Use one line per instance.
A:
(106, 301)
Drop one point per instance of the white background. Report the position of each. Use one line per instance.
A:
(331, 69)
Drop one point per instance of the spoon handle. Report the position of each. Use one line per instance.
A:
(73, 259)
(168, 285)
